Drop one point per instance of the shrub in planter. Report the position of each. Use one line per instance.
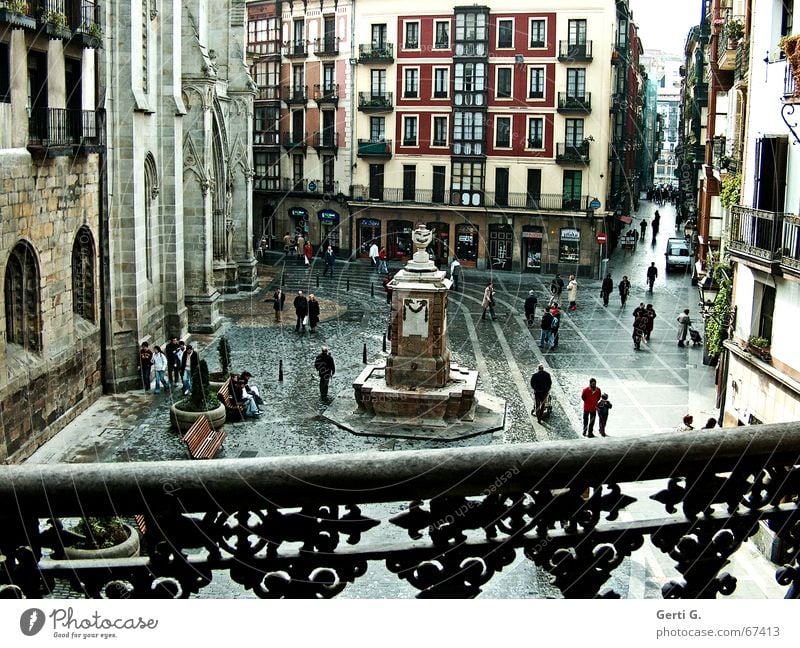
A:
(224, 353)
(100, 533)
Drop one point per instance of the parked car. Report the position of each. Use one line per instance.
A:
(677, 254)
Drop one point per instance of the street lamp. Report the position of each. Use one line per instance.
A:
(708, 294)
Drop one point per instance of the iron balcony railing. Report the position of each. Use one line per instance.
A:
(295, 140)
(376, 53)
(326, 140)
(791, 243)
(295, 49)
(328, 46)
(444, 521)
(790, 88)
(568, 153)
(266, 138)
(742, 66)
(375, 101)
(326, 92)
(305, 185)
(54, 127)
(295, 94)
(570, 102)
(756, 233)
(568, 51)
(374, 148)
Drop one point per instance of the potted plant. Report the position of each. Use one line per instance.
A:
(202, 402)
(17, 12)
(791, 48)
(218, 378)
(731, 189)
(55, 23)
(101, 538)
(759, 346)
(734, 30)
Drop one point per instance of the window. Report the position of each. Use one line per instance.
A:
(150, 193)
(537, 36)
(574, 132)
(23, 323)
(535, 133)
(299, 36)
(263, 36)
(297, 171)
(409, 181)
(764, 310)
(467, 179)
(502, 132)
(439, 131)
(411, 40)
(328, 162)
(503, 89)
(5, 74)
(572, 189)
(83, 281)
(536, 83)
(442, 34)
(468, 133)
(378, 83)
(265, 124)
(505, 33)
(379, 35)
(377, 130)
(267, 171)
(409, 131)
(471, 27)
(411, 83)
(328, 78)
(441, 83)
(576, 83)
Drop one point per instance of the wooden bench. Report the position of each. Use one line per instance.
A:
(226, 395)
(202, 441)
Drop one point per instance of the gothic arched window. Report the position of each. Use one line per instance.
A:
(150, 195)
(83, 281)
(23, 322)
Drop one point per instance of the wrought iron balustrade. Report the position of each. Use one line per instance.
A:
(309, 526)
(54, 127)
(790, 243)
(756, 233)
(376, 53)
(572, 153)
(568, 51)
(327, 46)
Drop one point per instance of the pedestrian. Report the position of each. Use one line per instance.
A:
(650, 314)
(572, 293)
(373, 254)
(383, 267)
(555, 325)
(188, 365)
(160, 365)
(326, 369)
(243, 396)
(710, 424)
(387, 287)
(603, 406)
(301, 312)
(656, 224)
(546, 335)
(530, 308)
(640, 322)
(172, 363)
(278, 301)
(684, 322)
(488, 301)
(624, 290)
(652, 273)
(330, 261)
(179, 357)
(606, 288)
(313, 313)
(308, 254)
(251, 389)
(643, 228)
(541, 382)
(455, 273)
(287, 243)
(300, 245)
(590, 397)
(556, 287)
(145, 364)
(686, 425)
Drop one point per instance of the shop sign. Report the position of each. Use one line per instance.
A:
(328, 216)
(298, 212)
(370, 222)
(571, 234)
(533, 235)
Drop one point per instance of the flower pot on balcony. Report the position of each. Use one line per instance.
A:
(125, 549)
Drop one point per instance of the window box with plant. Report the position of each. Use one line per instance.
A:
(17, 13)
(55, 24)
(98, 538)
(734, 31)
(759, 346)
(90, 35)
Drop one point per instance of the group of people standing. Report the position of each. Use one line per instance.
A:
(306, 309)
(175, 363)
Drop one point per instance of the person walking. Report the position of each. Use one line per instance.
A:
(326, 369)
(603, 406)
(555, 325)
(172, 362)
(301, 311)
(160, 365)
(179, 357)
(643, 228)
(546, 336)
(530, 308)
(606, 288)
(650, 314)
(640, 322)
(652, 273)
(188, 365)
(488, 301)
(330, 261)
(373, 254)
(684, 322)
(278, 301)
(656, 224)
(301, 248)
(556, 287)
(541, 382)
(287, 243)
(145, 364)
(590, 397)
(572, 293)
(383, 267)
(313, 313)
(455, 273)
(308, 254)
(624, 288)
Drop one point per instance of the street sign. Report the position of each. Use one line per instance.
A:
(602, 238)
(595, 204)
(312, 186)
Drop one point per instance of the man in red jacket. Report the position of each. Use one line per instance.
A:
(590, 397)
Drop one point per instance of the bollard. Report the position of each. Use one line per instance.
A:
(347, 288)
(372, 290)
(280, 370)
(364, 356)
(384, 342)
(317, 280)
(283, 279)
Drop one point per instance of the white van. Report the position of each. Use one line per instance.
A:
(677, 254)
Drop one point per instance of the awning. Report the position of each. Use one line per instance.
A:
(625, 219)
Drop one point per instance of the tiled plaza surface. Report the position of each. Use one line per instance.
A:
(650, 389)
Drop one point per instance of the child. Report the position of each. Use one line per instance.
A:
(603, 406)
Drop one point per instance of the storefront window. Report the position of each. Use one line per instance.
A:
(369, 230)
(569, 247)
(329, 229)
(532, 248)
(398, 243)
(467, 244)
(299, 217)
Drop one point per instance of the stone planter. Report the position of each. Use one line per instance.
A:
(17, 19)
(123, 550)
(183, 420)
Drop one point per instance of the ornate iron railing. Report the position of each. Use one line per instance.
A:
(791, 243)
(295, 526)
(756, 233)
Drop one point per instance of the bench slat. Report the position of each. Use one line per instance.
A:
(202, 441)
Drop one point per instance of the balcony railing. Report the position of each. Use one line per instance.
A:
(266, 138)
(375, 102)
(574, 51)
(567, 153)
(326, 93)
(790, 87)
(791, 243)
(326, 140)
(460, 517)
(376, 53)
(295, 94)
(756, 233)
(742, 67)
(328, 46)
(375, 148)
(295, 140)
(54, 127)
(268, 93)
(568, 102)
(701, 93)
(263, 182)
(295, 49)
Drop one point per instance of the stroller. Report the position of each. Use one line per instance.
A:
(547, 408)
(695, 337)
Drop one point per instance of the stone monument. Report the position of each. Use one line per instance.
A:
(418, 392)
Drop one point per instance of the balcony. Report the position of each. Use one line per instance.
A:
(790, 259)
(567, 153)
(295, 141)
(376, 53)
(53, 132)
(570, 103)
(326, 94)
(89, 32)
(569, 52)
(701, 93)
(266, 138)
(375, 103)
(268, 93)
(556, 504)
(755, 236)
(791, 90)
(266, 182)
(741, 72)
(328, 46)
(619, 102)
(326, 141)
(295, 49)
(91, 136)
(17, 16)
(375, 148)
(297, 95)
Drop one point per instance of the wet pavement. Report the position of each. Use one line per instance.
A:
(650, 389)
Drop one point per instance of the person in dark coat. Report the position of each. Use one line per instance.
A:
(650, 314)
(602, 413)
(301, 311)
(173, 366)
(313, 313)
(606, 288)
(278, 301)
(530, 308)
(624, 289)
(188, 364)
(330, 260)
(326, 368)
(546, 336)
(541, 382)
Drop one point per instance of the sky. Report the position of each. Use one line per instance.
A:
(664, 24)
